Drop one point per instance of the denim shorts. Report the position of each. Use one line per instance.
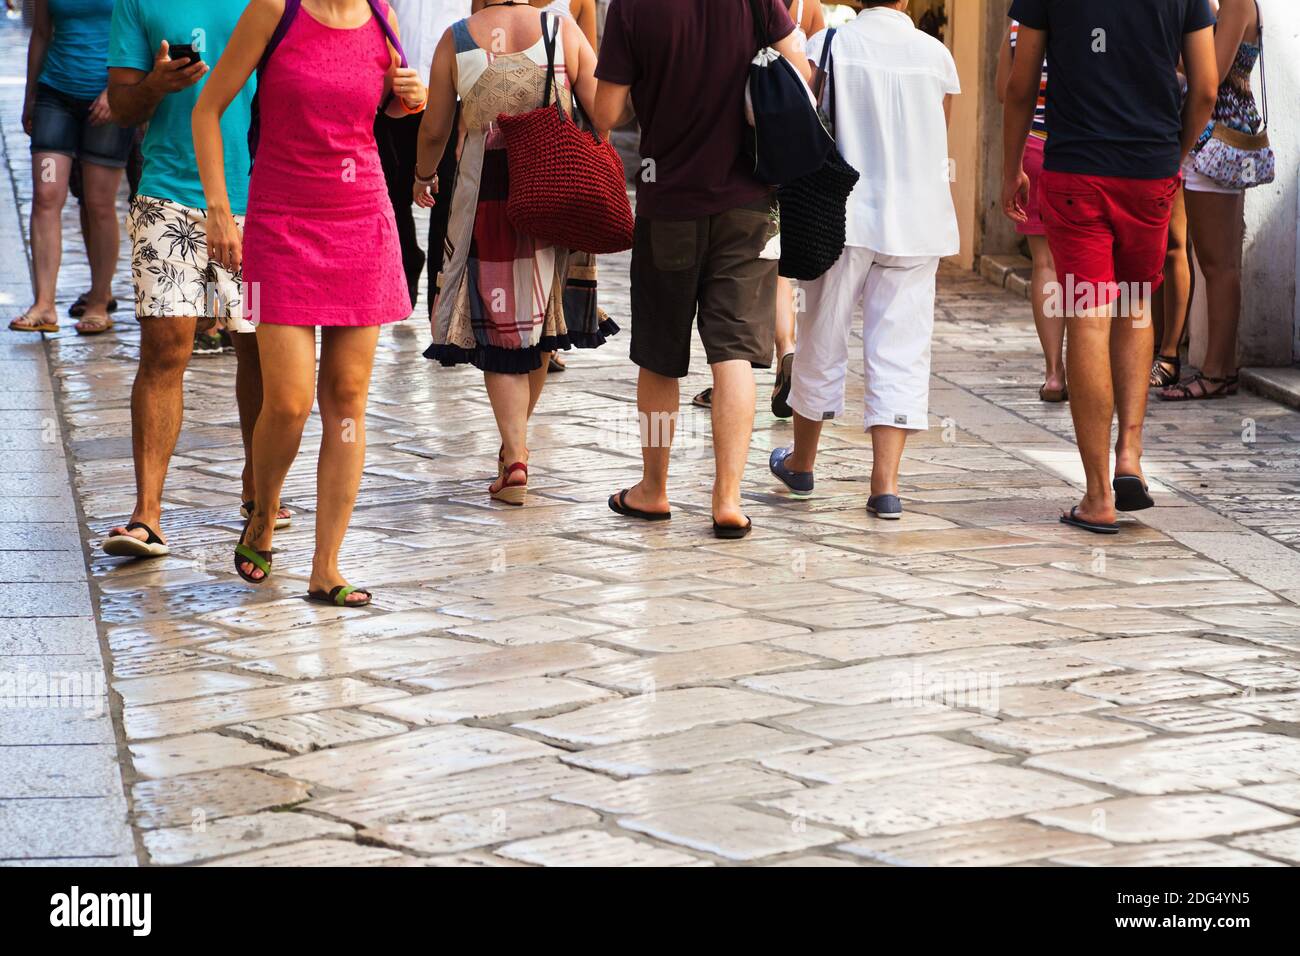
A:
(61, 124)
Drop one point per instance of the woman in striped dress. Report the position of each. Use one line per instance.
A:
(501, 295)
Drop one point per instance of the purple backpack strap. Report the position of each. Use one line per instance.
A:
(286, 20)
(388, 31)
(291, 8)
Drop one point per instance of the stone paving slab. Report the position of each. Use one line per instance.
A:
(973, 685)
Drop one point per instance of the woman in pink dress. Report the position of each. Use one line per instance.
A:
(319, 248)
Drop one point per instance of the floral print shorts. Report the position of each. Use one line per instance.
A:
(169, 265)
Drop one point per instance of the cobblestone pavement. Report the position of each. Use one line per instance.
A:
(975, 684)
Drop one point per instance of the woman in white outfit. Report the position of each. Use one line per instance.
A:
(895, 84)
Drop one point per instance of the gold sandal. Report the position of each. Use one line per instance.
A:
(25, 323)
(94, 325)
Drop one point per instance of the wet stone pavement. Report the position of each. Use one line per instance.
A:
(553, 685)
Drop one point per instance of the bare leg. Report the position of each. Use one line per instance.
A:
(657, 400)
(288, 357)
(887, 444)
(1169, 309)
(1131, 339)
(1051, 328)
(733, 426)
(50, 172)
(347, 359)
(536, 381)
(99, 204)
(511, 398)
(248, 396)
(807, 436)
(1092, 406)
(784, 318)
(1217, 225)
(157, 409)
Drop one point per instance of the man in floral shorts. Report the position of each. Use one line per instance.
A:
(178, 291)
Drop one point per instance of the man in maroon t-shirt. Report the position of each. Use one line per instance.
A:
(702, 224)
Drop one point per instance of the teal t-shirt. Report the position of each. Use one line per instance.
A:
(76, 60)
(170, 170)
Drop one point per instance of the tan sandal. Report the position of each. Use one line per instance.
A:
(94, 325)
(508, 493)
(26, 323)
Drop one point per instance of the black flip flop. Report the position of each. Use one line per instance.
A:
(731, 532)
(1075, 521)
(78, 308)
(1131, 494)
(781, 390)
(261, 560)
(128, 546)
(338, 596)
(618, 504)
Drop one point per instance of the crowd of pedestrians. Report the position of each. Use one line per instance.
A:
(281, 145)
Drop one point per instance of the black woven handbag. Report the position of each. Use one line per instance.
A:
(813, 208)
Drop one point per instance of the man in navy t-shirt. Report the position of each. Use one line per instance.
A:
(1119, 128)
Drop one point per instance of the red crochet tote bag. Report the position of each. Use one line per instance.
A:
(567, 186)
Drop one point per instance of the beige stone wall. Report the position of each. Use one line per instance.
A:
(1270, 319)
(974, 34)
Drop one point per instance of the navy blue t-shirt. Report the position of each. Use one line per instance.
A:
(1114, 106)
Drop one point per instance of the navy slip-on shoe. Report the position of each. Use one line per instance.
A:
(885, 506)
(800, 483)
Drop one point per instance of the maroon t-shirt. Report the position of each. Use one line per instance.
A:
(687, 62)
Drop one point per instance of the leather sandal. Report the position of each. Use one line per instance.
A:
(508, 493)
(1209, 388)
(1053, 395)
(1166, 370)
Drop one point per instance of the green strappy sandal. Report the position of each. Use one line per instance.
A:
(261, 560)
(338, 596)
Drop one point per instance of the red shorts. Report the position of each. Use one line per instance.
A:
(1105, 231)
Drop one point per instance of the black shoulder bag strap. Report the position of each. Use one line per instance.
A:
(548, 40)
(826, 70)
(1263, 76)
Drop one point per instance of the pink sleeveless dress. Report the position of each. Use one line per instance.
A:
(320, 241)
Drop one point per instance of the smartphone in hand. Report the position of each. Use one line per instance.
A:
(184, 51)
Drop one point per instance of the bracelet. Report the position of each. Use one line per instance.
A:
(425, 180)
(411, 111)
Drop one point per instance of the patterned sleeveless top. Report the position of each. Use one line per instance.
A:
(1235, 107)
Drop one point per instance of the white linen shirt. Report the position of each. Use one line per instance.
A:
(422, 24)
(890, 82)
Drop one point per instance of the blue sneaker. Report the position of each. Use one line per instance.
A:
(885, 506)
(800, 483)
